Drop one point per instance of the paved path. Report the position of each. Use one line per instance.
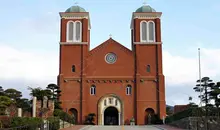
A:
(153, 127)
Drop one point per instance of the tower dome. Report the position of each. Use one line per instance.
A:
(145, 8)
(75, 9)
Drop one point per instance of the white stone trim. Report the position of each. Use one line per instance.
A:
(153, 15)
(103, 107)
(73, 43)
(147, 43)
(82, 15)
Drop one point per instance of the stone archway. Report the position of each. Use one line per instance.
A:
(149, 115)
(110, 111)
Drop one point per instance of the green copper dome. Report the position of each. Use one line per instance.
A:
(75, 9)
(145, 8)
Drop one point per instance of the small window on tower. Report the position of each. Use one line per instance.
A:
(93, 90)
(73, 68)
(148, 68)
(128, 90)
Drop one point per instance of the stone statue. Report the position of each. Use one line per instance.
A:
(45, 100)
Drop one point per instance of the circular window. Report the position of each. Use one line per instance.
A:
(110, 58)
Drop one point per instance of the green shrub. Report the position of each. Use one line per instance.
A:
(64, 116)
(28, 123)
(54, 123)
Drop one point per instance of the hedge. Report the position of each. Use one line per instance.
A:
(29, 123)
(193, 112)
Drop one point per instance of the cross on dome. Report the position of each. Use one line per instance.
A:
(145, 2)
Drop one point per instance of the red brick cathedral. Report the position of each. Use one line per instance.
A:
(112, 81)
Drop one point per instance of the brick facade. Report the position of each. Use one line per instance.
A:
(148, 88)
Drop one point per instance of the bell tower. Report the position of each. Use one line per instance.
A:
(147, 47)
(74, 47)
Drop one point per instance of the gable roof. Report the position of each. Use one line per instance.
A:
(110, 41)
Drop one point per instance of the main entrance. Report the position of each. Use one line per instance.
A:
(110, 110)
(111, 116)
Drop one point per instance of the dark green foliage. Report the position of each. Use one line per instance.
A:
(27, 123)
(193, 112)
(2, 91)
(206, 83)
(24, 103)
(214, 94)
(155, 119)
(55, 94)
(13, 94)
(64, 116)
(40, 93)
(90, 119)
(4, 103)
(169, 111)
(54, 123)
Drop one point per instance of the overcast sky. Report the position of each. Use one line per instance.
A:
(29, 39)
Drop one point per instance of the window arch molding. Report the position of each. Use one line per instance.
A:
(151, 33)
(74, 31)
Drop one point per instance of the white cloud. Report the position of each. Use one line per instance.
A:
(184, 70)
(17, 64)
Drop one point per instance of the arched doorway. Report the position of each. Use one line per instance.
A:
(74, 113)
(149, 116)
(111, 116)
(110, 110)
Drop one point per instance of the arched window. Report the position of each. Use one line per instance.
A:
(74, 31)
(148, 68)
(73, 68)
(151, 29)
(128, 90)
(144, 31)
(93, 90)
(70, 31)
(78, 31)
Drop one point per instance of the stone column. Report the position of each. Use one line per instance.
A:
(19, 112)
(102, 118)
(34, 106)
(119, 118)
